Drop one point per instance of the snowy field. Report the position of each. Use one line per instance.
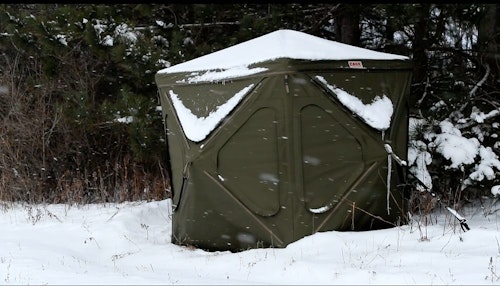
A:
(129, 243)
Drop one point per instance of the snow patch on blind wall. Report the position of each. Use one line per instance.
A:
(376, 114)
(197, 128)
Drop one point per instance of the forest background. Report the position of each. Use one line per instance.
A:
(79, 117)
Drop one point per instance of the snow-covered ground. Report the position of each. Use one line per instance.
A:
(129, 243)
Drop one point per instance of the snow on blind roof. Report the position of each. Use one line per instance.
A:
(279, 44)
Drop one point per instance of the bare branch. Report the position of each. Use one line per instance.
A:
(480, 83)
(475, 88)
(427, 85)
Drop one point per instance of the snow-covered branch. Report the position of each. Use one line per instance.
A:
(478, 118)
(209, 24)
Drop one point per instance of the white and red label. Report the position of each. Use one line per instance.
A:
(355, 64)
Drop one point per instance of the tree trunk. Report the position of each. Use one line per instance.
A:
(489, 38)
(420, 60)
(347, 24)
(420, 42)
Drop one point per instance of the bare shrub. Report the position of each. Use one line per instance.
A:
(48, 155)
